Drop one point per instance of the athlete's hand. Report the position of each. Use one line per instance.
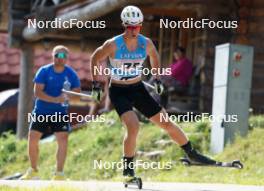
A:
(97, 91)
(159, 88)
(59, 99)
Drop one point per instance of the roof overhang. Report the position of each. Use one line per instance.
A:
(90, 11)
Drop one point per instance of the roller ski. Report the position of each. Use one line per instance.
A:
(133, 181)
(195, 158)
(129, 174)
(233, 164)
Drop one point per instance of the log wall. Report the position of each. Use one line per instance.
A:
(250, 32)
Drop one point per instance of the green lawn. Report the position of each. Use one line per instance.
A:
(103, 141)
(49, 188)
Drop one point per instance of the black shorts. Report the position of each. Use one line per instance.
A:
(125, 97)
(49, 127)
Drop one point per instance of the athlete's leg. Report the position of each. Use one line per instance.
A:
(33, 147)
(172, 129)
(62, 139)
(179, 137)
(121, 100)
(131, 122)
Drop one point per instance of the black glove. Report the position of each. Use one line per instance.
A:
(97, 91)
(159, 88)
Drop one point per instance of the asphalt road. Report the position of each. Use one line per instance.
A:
(118, 186)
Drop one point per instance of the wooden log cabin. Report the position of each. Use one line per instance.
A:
(199, 43)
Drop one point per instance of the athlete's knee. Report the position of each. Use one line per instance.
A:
(133, 132)
(62, 139)
(33, 138)
(131, 125)
(132, 128)
(167, 125)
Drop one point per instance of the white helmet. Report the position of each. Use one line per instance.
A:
(131, 15)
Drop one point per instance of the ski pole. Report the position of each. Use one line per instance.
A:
(76, 93)
(149, 85)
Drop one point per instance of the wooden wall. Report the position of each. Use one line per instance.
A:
(3, 15)
(251, 31)
(201, 45)
(204, 52)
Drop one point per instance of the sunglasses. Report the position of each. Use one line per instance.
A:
(61, 55)
(131, 27)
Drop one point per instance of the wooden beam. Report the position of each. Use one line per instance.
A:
(172, 45)
(25, 102)
(86, 45)
(82, 34)
(3, 15)
(8, 79)
(183, 37)
(88, 12)
(168, 12)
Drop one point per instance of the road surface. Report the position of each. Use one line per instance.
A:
(118, 186)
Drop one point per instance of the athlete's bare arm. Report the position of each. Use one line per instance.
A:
(153, 56)
(101, 53)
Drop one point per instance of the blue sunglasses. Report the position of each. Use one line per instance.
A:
(61, 55)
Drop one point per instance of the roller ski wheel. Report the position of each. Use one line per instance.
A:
(185, 161)
(233, 164)
(133, 181)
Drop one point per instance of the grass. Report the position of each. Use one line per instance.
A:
(49, 188)
(103, 141)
